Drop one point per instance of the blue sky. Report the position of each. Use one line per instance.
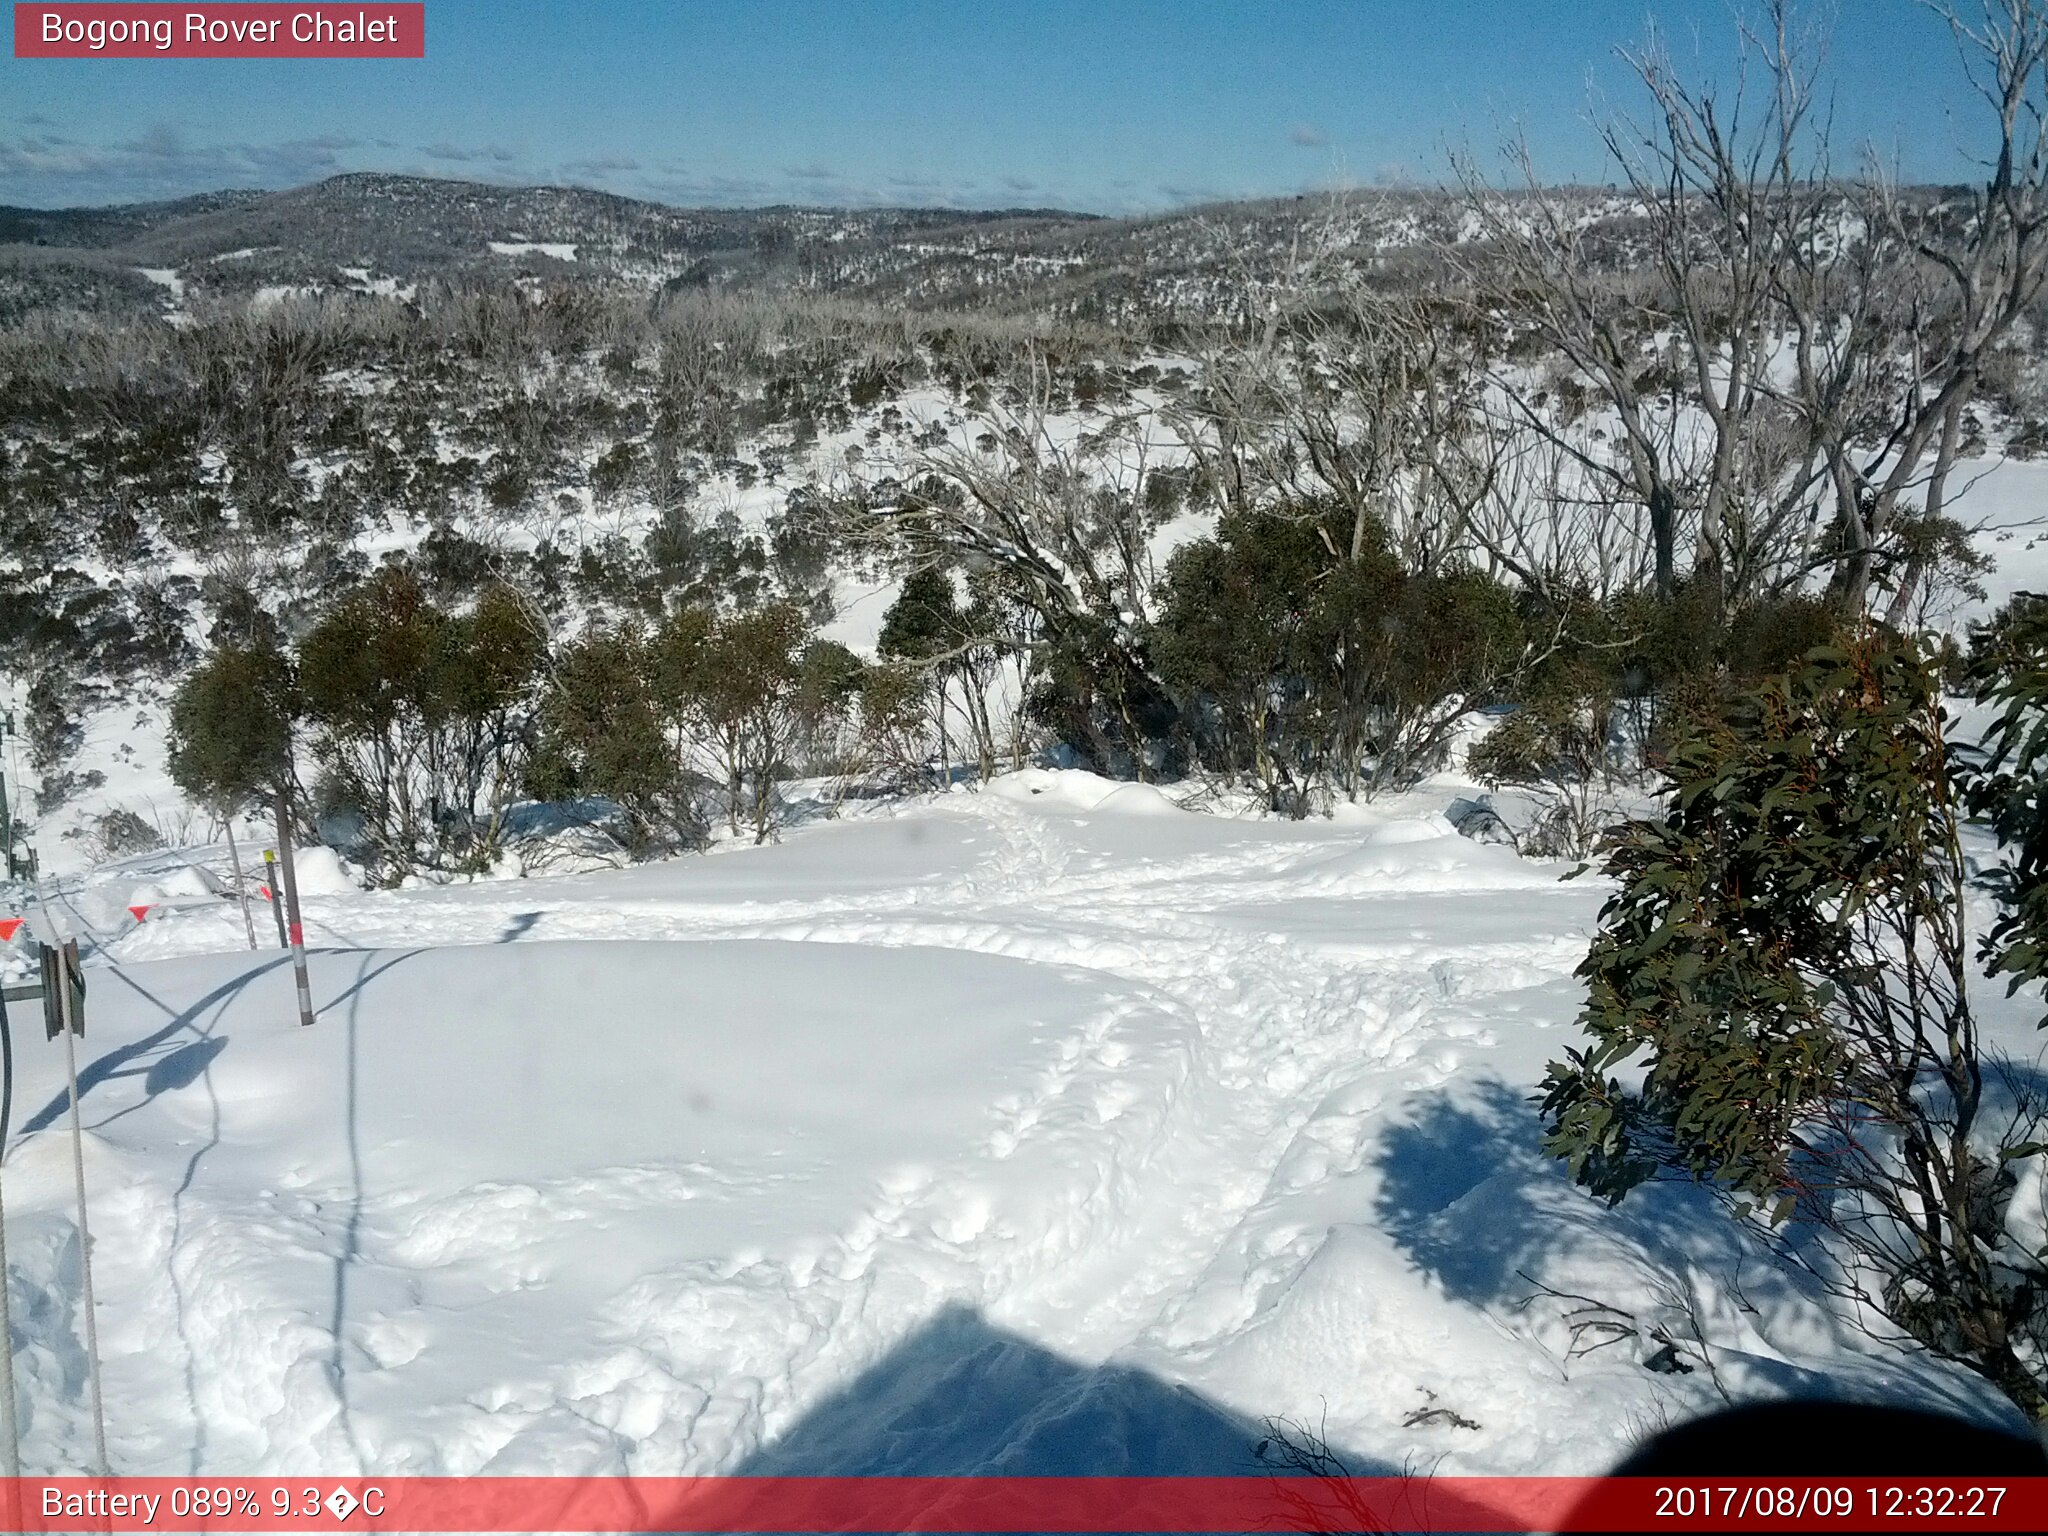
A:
(1103, 105)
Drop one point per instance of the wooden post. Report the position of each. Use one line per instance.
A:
(241, 887)
(294, 928)
(276, 886)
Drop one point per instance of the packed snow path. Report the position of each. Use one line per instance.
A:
(1047, 1129)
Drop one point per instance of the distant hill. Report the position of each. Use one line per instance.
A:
(101, 228)
(379, 233)
(409, 227)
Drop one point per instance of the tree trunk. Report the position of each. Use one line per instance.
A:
(1937, 501)
(945, 736)
(1664, 538)
(241, 889)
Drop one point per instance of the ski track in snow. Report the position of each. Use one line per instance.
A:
(1184, 1174)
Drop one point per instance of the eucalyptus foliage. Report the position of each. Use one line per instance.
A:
(1779, 1003)
(2009, 784)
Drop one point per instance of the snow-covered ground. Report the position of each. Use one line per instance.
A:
(556, 249)
(1049, 1128)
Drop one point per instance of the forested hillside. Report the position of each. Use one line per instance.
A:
(1278, 492)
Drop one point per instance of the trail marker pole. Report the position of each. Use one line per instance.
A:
(241, 889)
(270, 895)
(295, 927)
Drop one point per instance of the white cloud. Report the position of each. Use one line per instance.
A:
(161, 162)
(466, 154)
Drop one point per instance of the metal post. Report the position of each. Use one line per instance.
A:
(6, 1086)
(295, 928)
(276, 895)
(73, 1026)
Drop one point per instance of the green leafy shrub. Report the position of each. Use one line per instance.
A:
(231, 727)
(1783, 974)
(1302, 665)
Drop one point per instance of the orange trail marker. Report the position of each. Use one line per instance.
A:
(9, 927)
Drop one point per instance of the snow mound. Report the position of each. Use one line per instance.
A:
(1351, 813)
(1417, 856)
(1137, 800)
(1077, 789)
(538, 1184)
(320, 873)
(1409, 829)
(1066, 789)
(187, 880)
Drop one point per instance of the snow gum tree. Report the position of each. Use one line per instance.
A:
(603, 733)
(1779, 1005)
(1324, 666)
(954, 645)
(740, 676)
(231, 727)
(422, 718)
(666, 721)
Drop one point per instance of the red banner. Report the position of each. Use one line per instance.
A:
(990, 1504)
(220, 31)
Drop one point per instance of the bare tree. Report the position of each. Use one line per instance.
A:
(1347, 391)
(1976, 266)
(1795, 342)
(1058, 504)
(1664, 304)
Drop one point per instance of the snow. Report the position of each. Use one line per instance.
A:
(319, 872)
(560, 251)
(1051, 1128)
(1057, 1127)
(2006, 501)
(189, 881)
(361, 279)
(1079, 790)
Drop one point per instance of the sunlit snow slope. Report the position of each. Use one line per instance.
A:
(1046, 1129)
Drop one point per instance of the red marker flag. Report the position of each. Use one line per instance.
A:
(9, 927)
(69, 29)
(140, 912)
